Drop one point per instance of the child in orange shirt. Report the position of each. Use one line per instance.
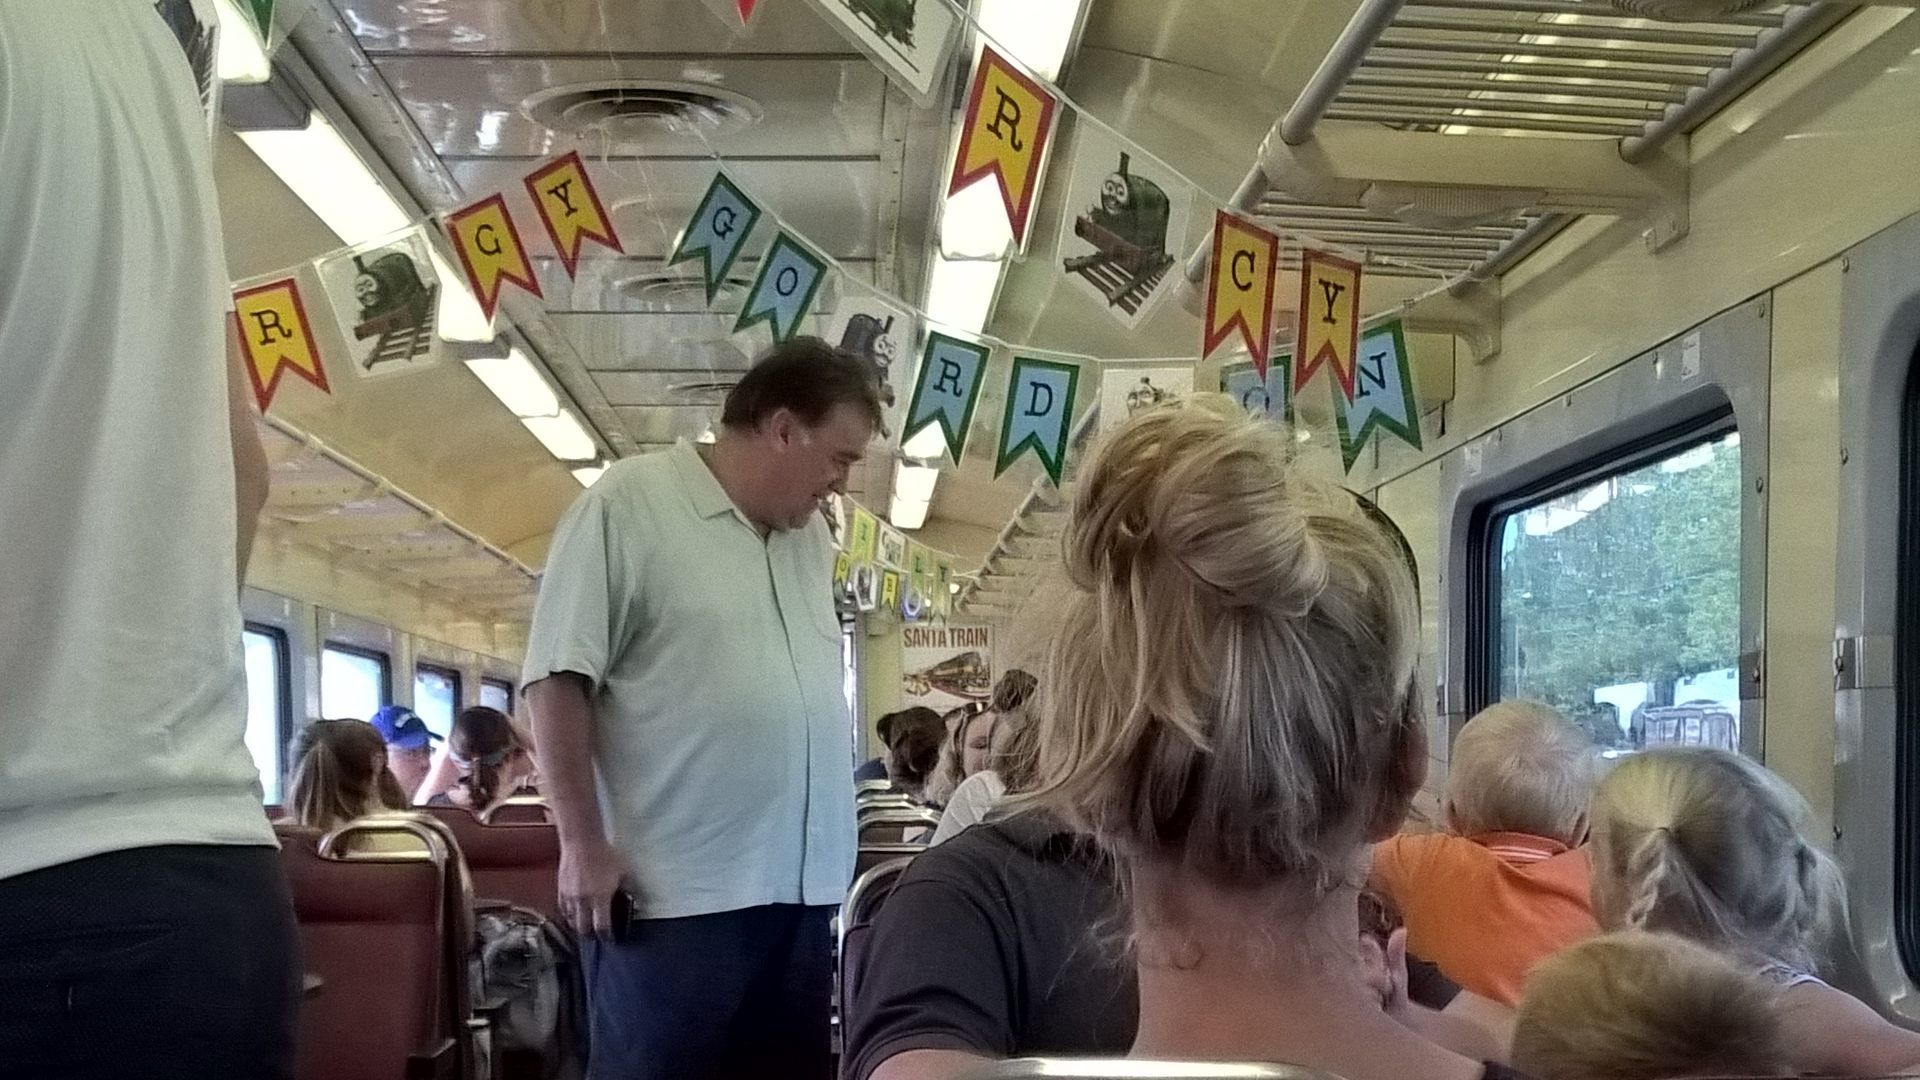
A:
(1508, 884)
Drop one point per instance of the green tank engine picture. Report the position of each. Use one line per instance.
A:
(1128, 231)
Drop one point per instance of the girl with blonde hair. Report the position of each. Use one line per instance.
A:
(1230, 710)
(1708, 845)
(1641, 1006)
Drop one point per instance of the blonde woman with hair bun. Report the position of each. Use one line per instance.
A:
(1709, 845)
(1231, 713)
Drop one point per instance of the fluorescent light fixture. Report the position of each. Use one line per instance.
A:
(960, 292)
(914, 483)
(563, 436)
(241, 59)
(928, 445)
(587, 474)
(321, 167)
(1037, 33)
(907, 515)
(517, 383)
(973, 224)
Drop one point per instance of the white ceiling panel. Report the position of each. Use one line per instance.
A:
(588, 26)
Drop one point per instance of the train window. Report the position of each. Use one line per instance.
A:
(354, 683)
(1613, 595)
(497, 694)
(436, 697)
(267, 704)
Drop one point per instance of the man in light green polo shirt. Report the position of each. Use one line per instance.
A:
(685, 681)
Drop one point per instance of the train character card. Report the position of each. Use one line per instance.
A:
(386, 298)
(910, 39)
(1124, 232)
(1126, 389)
(886, 337)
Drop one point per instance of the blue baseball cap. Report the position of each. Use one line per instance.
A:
(402, 728)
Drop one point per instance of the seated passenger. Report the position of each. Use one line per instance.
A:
(1002, 942)
(339, 776)
(1640, 1006)
(1708, 845)
(492, 760)
(914, 752)
(969, 741)
(1232, 717)
(889, 729)
(1014, 754)
(1507, 884)
(409, 745)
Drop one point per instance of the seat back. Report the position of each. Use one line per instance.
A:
(852, 928)
(515, 862)
(375, 931)
(1138, 1069)
(519, 810)
(893, 825)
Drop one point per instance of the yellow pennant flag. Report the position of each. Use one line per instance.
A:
(571, 209)
(1240, 286)
(1004, 134)
(865, 535)
(890, 590)
(1329, 330)
(490, 250)
(276, 337)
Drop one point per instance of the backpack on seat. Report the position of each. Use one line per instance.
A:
(529, 969)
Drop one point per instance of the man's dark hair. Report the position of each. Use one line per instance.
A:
(807, 377)
(895, 724)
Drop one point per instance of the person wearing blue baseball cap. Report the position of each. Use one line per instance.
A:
(409, 745)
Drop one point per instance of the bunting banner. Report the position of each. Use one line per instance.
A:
(883, 335)
(1269, 397)
(385, 296)
(1134, 216)
(863, 539)
(843, 577)
(276, 337)
(1004, 134)
(1038, 415)
(570, 207)
(1126, 390)
(893, 547)
(717, 231)
(919, 561)
(790, 275)
(889, 590)
(491, 252)
(909, 40)
(745, 8)
(1240, 284)
(942, 588)
(1383, 396)
(947, 390)
(1329, 327)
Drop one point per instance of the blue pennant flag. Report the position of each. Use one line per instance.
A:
(1271, 399)
(789, 276)
(1039, 406)
(717, 230)
(1382, 393)
(951, 371)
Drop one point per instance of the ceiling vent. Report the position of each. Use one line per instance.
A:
(680, 292)
(1687, 10)
(642, 108)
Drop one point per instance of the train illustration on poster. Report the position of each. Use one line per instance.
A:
(1119, 249)
(944, 667)
(1126, 391)
(870, 339)
(883, 335)
(908, 38)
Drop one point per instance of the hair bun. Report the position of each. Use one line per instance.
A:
(1200, 486)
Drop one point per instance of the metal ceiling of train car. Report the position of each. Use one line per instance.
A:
(1453, 137)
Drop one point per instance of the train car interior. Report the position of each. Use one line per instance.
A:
(1645, 276)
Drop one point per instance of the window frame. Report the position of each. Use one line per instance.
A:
(1906, 683)
(385, 660)
(1483, 553)
(497, 684)
(283, 692)
(445, 671)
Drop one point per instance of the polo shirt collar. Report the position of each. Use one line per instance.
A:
(1520, 848)
(710, 500)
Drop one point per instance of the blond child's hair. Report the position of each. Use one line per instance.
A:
(1643, 1006)
(1519, 766)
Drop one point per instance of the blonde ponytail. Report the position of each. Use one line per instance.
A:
(1230, 684)
(1707, 844)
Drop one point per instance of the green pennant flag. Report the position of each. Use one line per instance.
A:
(1382, 393)
(790, 275)
(1038, 414)
(262, 12)
(947, 390)
(716, 232)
